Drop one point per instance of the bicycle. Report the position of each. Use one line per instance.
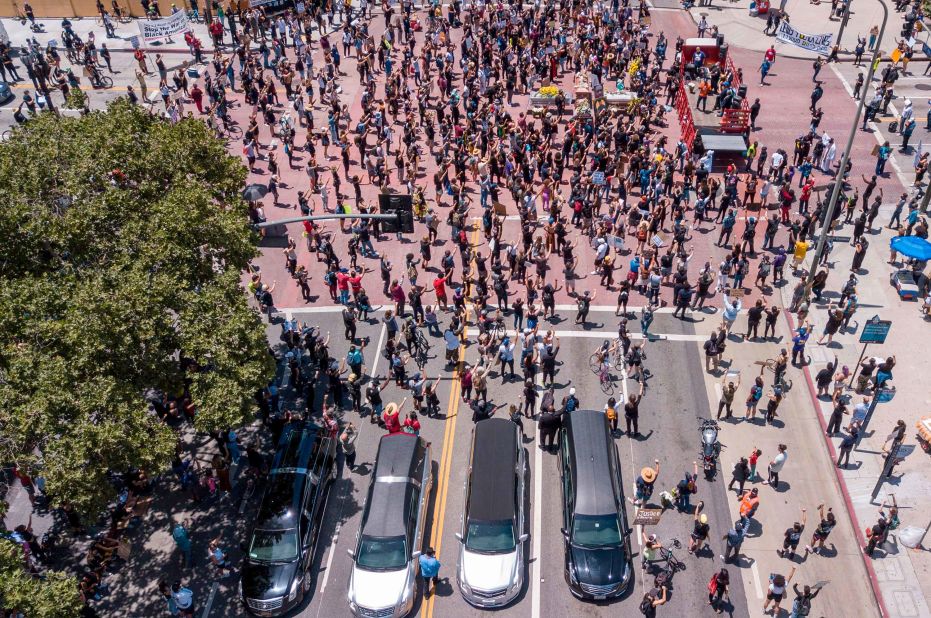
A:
(781, 382)
(604, 379)
(667, 557)
(104, 81)
(614, 352)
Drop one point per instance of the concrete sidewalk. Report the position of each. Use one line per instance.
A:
(902, 574)
(741, 29)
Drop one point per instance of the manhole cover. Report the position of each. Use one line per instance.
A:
(922, 86)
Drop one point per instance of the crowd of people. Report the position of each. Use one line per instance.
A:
(437, 97)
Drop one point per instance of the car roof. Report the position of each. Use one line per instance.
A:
(296, 446)
(293, 464)
(281, 503)
(399, 468)
(591, 449)
(493, 481)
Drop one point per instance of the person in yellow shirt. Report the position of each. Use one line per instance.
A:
(798, 256)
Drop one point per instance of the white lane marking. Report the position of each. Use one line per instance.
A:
(880, 139)
(342, 502)
(329, 560)
(535, 566)
(290, 311)
(602, 334)
(213, 593)
(756, 580)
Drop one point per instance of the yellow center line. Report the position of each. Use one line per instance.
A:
(449, 441)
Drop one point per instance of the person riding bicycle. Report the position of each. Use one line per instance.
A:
(604, 354)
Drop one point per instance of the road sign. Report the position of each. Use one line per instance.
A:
(403, 206)
(875, 330)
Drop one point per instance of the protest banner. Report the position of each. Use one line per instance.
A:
(152, 29)
(818, 43)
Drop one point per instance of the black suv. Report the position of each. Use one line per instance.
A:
(275, 575)
(597, 538)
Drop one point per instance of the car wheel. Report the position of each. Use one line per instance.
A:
(305, 587)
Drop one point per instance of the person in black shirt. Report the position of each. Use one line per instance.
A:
(754, 317)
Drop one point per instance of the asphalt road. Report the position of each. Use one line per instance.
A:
(674, 400)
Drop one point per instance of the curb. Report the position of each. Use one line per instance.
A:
(851, 513)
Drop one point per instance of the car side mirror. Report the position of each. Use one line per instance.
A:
(416, 554)
(565, 533)
(629, 532)
(351, 552)
(460, 537)
(523, 538)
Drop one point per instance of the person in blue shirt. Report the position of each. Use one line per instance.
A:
(429, 570)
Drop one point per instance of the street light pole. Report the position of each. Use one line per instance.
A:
(839, 179)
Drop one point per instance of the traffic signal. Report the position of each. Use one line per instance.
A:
(400, 205)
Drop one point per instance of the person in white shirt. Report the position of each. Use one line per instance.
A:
(183, 598)
(775, 466)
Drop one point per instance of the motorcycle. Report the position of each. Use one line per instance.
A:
(710, 447)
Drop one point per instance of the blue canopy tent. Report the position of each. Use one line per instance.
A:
(912, 246)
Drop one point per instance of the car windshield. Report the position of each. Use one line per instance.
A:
(595, 530)
(273, 545)
(382, 553)
(490, 537)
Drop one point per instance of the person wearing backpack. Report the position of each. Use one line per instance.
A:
(801, 606)
(652, 600)
(753, 398)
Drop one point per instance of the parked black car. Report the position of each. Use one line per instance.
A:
(275, 575)
(597, 539)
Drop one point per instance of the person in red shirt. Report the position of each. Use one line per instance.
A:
(770, 54)
(355, 281)
(397, 295)
(342, 286)
(392, 416)
(439, 286)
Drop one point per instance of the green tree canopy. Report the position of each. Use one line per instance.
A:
(55, 596)
(124, 242)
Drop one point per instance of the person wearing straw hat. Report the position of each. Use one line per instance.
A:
(392, 416)
(644, 484)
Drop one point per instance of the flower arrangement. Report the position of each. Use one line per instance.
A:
(548, 91)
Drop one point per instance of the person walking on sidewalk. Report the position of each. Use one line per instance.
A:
(183, 598)
(180, 535)
(847, 444)
(821, 533)
(775, 466)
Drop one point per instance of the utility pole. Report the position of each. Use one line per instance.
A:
(839, 180)
(843, 23)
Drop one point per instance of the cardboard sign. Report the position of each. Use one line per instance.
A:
(656, 241)
(648, 517)
(152, 29)
(598, 178)
(616, 242)
(500, 209)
